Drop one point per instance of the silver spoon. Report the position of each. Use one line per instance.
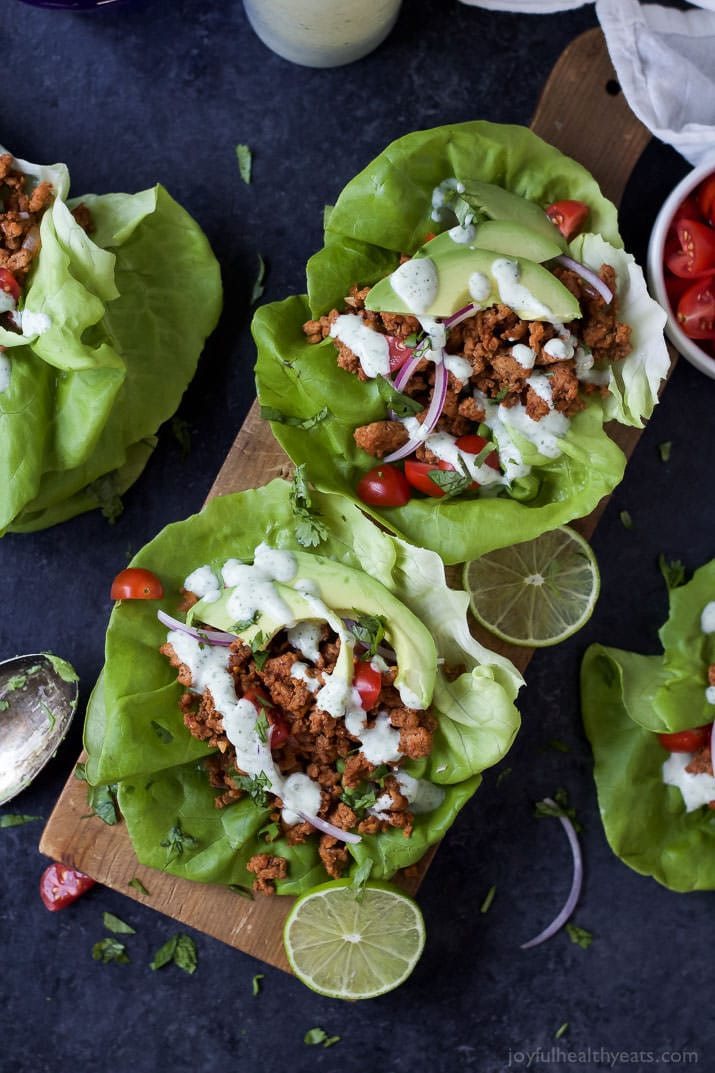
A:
(38, 698)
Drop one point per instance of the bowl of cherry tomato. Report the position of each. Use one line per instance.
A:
(681, 266)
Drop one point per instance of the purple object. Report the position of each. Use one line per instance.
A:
(74, 5)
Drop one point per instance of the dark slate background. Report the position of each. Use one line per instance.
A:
(163, 91)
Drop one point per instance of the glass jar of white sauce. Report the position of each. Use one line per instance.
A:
(322, 33)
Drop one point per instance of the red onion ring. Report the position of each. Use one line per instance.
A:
(588, 275)
(462, 314)
(211, 637)
(570, 903)
(330, 829)
(405, 371)
(434, 410)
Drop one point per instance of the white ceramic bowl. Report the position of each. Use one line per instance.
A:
(687, 347)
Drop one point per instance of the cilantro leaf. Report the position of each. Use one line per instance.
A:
(270, 413)
(309, 530)
(181, 950)
(664, 450)
(402, 405)
(256, 786)
(177, 841)
(486, 904)
(138, 885)
(16, 819)
(673, 572)
(579, 936)
(113, 923)
(360, 877)
(315, 1036)
(256, 983)
(165, 736)
(451, 482)
(245, 162)
(559, 807)
(369, 630)
(108, 950)
(103, 802)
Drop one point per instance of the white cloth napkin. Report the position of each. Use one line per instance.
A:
(665, 62)
(664, 59)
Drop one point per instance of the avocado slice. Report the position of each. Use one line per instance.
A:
(464, 275)
(506, 237)
(496, 203)
(346, 593)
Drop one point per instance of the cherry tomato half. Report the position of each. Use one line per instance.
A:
(473, 444)
(135, 583)
(686, 741)
(399, 353)
(418, 475)
(568, 216)
(696, 309)
(9, 284)
(384, 486)
(706, 199)
(368, 682)
(696, 253)
(60, 885)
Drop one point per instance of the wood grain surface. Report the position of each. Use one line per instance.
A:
(582, 112)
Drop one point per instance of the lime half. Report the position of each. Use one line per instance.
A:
(352, 946)
(536, 593)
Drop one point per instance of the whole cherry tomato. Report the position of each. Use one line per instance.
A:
(368, 682)
(384, 486)
(568, 216)
(686, 741)
(61, 885)
(135, 583)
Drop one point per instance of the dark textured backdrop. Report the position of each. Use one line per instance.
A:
(163, 91)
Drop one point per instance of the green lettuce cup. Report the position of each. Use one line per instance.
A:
(628, 699)
(387, 211)
(135, 735)
(108, 343)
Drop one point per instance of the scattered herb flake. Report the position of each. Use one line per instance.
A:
(262, 727)
(108, 950)
(451, 482)
(181, 950)
(103, 802)
(256, 786)
(16, 819)
(258, 284)
(402, 405)
(256, 983)
(244, 156)
(80, 771)
(626, 520)
(664, 450)
(105, 492)
(115, 924)
(369, 630)
(316, 1036)
(560, 808)
(243, 892)
(503, 774)
(486, 904)
(579, 936)
(270, 413)
(138, 885)
(177, 841)
(673, 572)
(181, 431)
(561, 1030)
(360, 878)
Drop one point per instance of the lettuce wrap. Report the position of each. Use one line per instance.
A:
(136, 739)
(106, 346)
(627, 699)
(387, 211)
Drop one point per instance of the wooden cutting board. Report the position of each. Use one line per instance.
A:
(582, 112)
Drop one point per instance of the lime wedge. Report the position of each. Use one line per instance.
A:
(536, 593)
(352, 946)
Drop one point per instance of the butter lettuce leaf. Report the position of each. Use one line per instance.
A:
(160, 773)
(114, 344)
(626, 700)
(383, 212)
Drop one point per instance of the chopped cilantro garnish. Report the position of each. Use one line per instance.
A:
(262, 727)
(177, 841)
(486, 904)
(113, 923)
(664, 450)
(451, 482)
(256, 983)
(579, 936)
(360, 877)
(561, 1030)
(108, 950)
(181, 431)
(181, 950)
(16, 819)
(402, 405)
(244, 623)
(673, 572)
(626, 520)
(316, 1036)
(165, 736)
(559, 808)
(270, 413)
(103, 802)
(138, 885)
(244, 156)
(243, 892)
(258, 284)
(369, 630)
(309, 530)
(256, 786)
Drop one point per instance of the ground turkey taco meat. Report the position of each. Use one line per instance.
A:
(332, 775)
(539, 372)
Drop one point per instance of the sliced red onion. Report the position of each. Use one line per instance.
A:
(712, 747)
(405, 371)
(330, 829)
(462, 314)
(588, 275)
(558, 922)
(432, 416)
(211, 637)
